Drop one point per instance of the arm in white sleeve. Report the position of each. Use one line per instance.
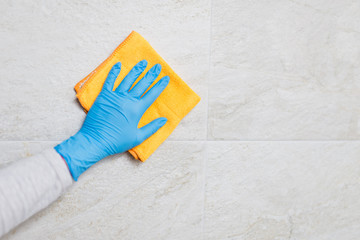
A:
(29, 185)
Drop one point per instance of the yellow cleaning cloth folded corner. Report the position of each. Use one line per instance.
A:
(174, 103)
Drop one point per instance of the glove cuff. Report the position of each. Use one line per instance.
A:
(79, 154)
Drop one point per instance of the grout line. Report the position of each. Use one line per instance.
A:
(205, 160)
(221, 140)
(29, 140)
(205, 157)
(264, 140)
(209, 73)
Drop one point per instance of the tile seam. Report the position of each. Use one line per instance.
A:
(207, 122)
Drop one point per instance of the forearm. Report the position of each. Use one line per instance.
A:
(110, 127)
(29, 185)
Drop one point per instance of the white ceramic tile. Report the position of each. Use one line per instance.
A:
(47, 47)
(12, 151)
(282, 190)
(122, 198)
(252, 105)
(285, 70)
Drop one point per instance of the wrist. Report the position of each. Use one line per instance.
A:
(79, 154)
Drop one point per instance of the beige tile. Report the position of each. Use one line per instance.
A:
(285, 70)
(282, 190)
(12, 151)
(47, 47)
(122, 198)
(252, 105)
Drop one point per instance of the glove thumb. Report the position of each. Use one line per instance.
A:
(149, 129)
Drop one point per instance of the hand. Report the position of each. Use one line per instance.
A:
(111, 125)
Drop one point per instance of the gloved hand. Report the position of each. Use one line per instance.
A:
(111, 125)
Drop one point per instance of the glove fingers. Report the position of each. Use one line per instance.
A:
(149, 129)
(154, 92)
(144, 83)
(135, 72)
(111, 78)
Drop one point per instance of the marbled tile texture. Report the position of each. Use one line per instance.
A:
(271, 152)
(285, 70)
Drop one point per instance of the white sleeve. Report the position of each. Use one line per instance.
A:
(29, 185)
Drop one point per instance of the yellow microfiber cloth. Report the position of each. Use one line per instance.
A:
(174, 102)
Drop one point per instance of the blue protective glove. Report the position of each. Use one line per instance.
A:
(111, 125)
